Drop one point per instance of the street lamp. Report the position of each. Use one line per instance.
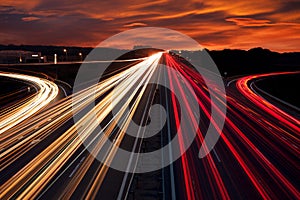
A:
(80, 55)
(65, 50)
(55, 58)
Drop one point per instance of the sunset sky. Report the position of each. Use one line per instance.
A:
(215, 24)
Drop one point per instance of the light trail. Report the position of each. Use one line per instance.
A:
(46, 92)
(250, 170)
(243, 86)
(256, 157)
(60, 151)
(188, 168)
(53, 118)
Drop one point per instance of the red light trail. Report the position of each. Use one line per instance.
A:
(256, 156)
(250, 169)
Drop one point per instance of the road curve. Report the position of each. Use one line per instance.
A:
(46, 92)
(245, 88)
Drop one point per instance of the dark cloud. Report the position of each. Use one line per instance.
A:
(289, 6)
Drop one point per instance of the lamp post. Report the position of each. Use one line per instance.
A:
(66, 52)
(80, 55)
(55, 58)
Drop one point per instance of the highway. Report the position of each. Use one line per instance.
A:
(45, 156)
(46, 91)
(257, 154)
(70, 141)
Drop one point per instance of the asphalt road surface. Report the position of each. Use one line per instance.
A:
(44, 154)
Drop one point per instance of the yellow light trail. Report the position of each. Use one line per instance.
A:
(43, 125)
(46, 92)
(33, 178)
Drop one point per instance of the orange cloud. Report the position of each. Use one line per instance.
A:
(136, 24)
(214, 23)
(28, 19)
(27, 5)
(249, 21)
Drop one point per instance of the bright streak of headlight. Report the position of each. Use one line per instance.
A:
(47, 91)
(58, 152)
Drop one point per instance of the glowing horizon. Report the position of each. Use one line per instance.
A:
(214, 24)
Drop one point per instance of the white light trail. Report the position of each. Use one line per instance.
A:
(46, 92)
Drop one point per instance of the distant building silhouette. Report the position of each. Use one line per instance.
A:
(19, 56)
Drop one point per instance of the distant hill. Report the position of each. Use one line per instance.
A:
(256, 60)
